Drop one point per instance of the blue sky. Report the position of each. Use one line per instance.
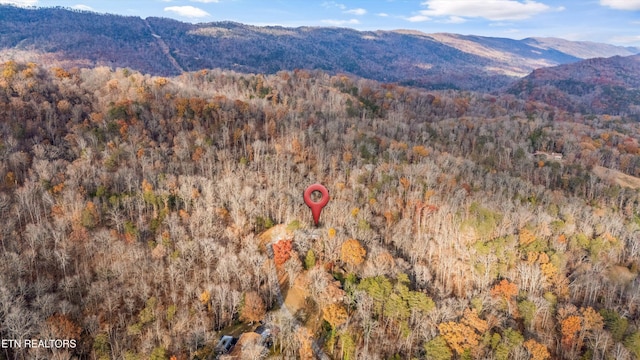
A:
(610, 21)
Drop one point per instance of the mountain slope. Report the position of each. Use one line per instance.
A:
(581, 49)
(601, 85)
(162, 46)
(511, 57)
(83, 37)
(385, 56)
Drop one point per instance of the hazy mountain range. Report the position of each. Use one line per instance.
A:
(162, 46)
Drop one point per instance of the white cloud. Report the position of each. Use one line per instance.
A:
(383, 14)
(206, 1)
(632, 5)
(419, 18)
(21, 3)
(334, 22)
(500, 24)
(358, 11)
(512, 31)
(343, 7)
(187, 11)
(82, 7)
(495, 10)
(455, 20)
(330, 4)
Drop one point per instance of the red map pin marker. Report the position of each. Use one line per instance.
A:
(316, 207)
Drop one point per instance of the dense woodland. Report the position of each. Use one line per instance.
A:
(598, 86)
(132, 209)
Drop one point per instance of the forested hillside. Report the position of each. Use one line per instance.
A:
(599, 86)
(61, 36)
(460, 225)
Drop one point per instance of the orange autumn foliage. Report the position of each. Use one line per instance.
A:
(471, 318)
(526, 237)
(282, 251)
(352, 252)
(334, 314)
(569, 329)
(536, 350)
(459, 337)
(505, 289)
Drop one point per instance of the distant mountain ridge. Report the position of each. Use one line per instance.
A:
(599, 85)
(162, 46)
(581, 49)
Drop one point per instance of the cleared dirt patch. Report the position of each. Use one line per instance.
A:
(296, 295)
(617, 177)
